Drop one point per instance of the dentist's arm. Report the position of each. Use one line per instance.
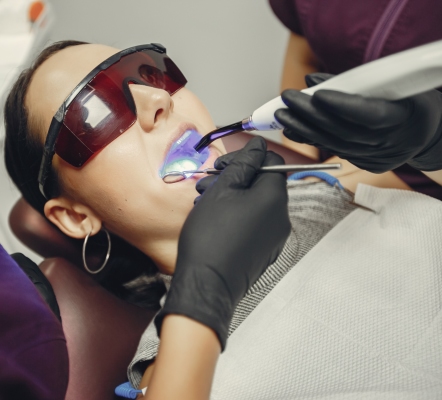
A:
(299, 61)
(224, 246)
(186, 361)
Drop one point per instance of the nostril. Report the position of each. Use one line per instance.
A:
(158, 114)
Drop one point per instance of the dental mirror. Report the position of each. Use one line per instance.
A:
(177, 176)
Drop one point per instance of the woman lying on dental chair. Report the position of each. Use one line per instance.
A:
(348, 321)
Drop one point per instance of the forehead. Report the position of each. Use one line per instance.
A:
(57, 77)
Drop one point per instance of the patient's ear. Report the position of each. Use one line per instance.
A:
(73, 219)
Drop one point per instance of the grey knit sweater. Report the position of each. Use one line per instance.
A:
(314, 209)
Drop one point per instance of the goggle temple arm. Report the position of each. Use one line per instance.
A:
(49, 150)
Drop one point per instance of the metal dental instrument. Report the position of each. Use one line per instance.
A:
(393, 77)
(177, 176)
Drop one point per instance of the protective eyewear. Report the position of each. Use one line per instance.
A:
(101, 107)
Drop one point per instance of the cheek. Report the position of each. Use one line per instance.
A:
(123, 162)
(191, 108)
(121, 184)
(150, 210)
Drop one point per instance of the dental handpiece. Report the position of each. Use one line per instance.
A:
(176, 176)
(393, 77)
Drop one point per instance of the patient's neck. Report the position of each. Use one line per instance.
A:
(163, 254)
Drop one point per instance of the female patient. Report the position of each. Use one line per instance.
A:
(119, 186)
(114, 183)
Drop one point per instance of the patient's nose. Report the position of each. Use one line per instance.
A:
(152, 105)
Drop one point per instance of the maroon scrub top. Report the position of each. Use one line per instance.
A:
(346, 33)
(33, 353)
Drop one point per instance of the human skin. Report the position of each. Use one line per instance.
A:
(120, 188)
(299, 61)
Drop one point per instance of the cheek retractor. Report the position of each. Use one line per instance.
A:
(182, 155)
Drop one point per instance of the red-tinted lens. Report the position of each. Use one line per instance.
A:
(70, 149)
(101, 112)
(160, 71)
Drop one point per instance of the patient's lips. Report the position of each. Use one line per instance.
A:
(182, 156)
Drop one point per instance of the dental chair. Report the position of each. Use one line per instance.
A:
(102, 331)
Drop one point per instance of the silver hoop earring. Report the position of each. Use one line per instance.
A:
(107, 254)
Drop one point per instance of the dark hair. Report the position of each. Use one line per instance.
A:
(23, 148)
(130, 274)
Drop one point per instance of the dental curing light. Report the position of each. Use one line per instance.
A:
(393, 77)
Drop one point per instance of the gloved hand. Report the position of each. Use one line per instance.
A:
(237, 228)
(373, 134)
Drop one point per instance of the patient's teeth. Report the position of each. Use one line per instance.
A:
(181, 165)
(182, 156)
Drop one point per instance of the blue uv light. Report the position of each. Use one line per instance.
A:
(182, 156)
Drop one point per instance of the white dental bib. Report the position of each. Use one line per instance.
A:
(359, 317)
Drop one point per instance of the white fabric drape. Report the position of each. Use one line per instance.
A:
(359, 317)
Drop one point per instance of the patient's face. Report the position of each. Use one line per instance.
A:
(122, 183)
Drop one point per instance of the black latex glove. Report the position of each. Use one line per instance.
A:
(223, 161)
(373, 134)
(237, 228)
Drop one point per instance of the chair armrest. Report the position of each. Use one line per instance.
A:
(102, 332)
